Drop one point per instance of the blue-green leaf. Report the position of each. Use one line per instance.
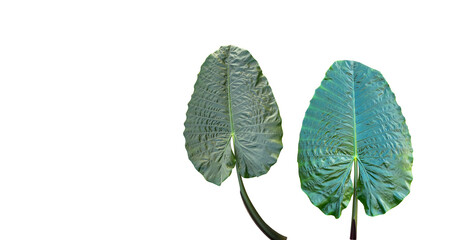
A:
(354, 116)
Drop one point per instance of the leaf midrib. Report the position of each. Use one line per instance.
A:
(355, 142)
(227, 61)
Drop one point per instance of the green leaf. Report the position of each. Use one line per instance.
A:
(354, 116)
(232, 99)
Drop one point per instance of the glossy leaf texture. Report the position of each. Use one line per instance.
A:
(354, 116)
(232, 99)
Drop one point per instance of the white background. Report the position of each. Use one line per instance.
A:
(93, 98)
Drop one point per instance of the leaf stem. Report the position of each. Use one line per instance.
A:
(266, 229)
(355, 201)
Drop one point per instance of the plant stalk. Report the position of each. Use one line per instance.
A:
(355, 201)
(266, 229)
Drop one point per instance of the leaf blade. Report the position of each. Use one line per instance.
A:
(240, 105)
(385, 151)
(342, 121)
(207, 126)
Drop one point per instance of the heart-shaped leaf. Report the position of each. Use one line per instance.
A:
(233, 103)
(232, 99)
(354, 118)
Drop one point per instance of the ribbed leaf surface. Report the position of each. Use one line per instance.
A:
(232, 98)
(354, 116)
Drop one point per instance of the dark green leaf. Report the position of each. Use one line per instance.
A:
(232, 99)
(354, 116)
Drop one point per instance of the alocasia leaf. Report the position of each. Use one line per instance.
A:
(354, 119)
(233, 103)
